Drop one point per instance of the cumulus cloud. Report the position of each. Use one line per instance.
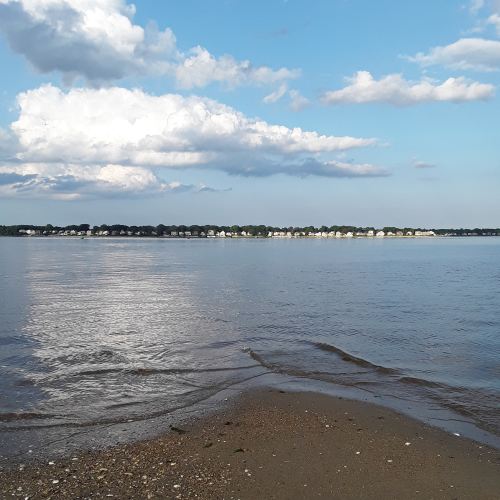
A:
(394, 89)
(98, 40)
(71, 181)
(477, 54)
(201, 68)
(114, 140)
(122, 126)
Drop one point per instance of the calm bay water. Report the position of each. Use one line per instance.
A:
(107, 331)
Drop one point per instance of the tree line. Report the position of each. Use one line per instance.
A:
(262, 230)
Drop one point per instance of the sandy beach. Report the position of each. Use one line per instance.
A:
(274, 444)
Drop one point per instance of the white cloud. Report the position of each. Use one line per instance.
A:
(475, 6)
(276, 95)
(494, 20)
(394, 89)
(118, 125)
(201, 68)
(97, 40)
(107, 141)
(70, 181)
(297, 101)
(477, 54)
(423, 164)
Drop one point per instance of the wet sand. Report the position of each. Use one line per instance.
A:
(272, 444)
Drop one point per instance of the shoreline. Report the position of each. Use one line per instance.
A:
(271, 443)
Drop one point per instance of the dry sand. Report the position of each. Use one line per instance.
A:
(272, 444)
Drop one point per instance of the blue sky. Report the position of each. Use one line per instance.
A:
(277, 112)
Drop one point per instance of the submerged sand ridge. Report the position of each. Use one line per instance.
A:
(275, 444)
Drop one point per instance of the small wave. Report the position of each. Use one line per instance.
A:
(146, 371)
(260, 359)
(350, 358)
(14, 417)
(279, 369)
(422, 382)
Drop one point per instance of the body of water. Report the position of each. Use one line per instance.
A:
(104, 332)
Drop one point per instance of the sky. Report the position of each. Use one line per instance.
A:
(280, 112)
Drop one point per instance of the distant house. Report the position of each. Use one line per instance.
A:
(409, 233)
(187, 234)
(349, 235)
(221, 234)
(210, 233)
(338, 234)
(173, 233)
(380, 234)
(399, 233)
(370, 233)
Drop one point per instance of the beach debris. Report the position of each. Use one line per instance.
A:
(358, 452)
(239, 450)
(456, 434)
(55, 481)
(52, 463)
(407, 443)
(389, 461)
(176, 486)
(207, 445)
